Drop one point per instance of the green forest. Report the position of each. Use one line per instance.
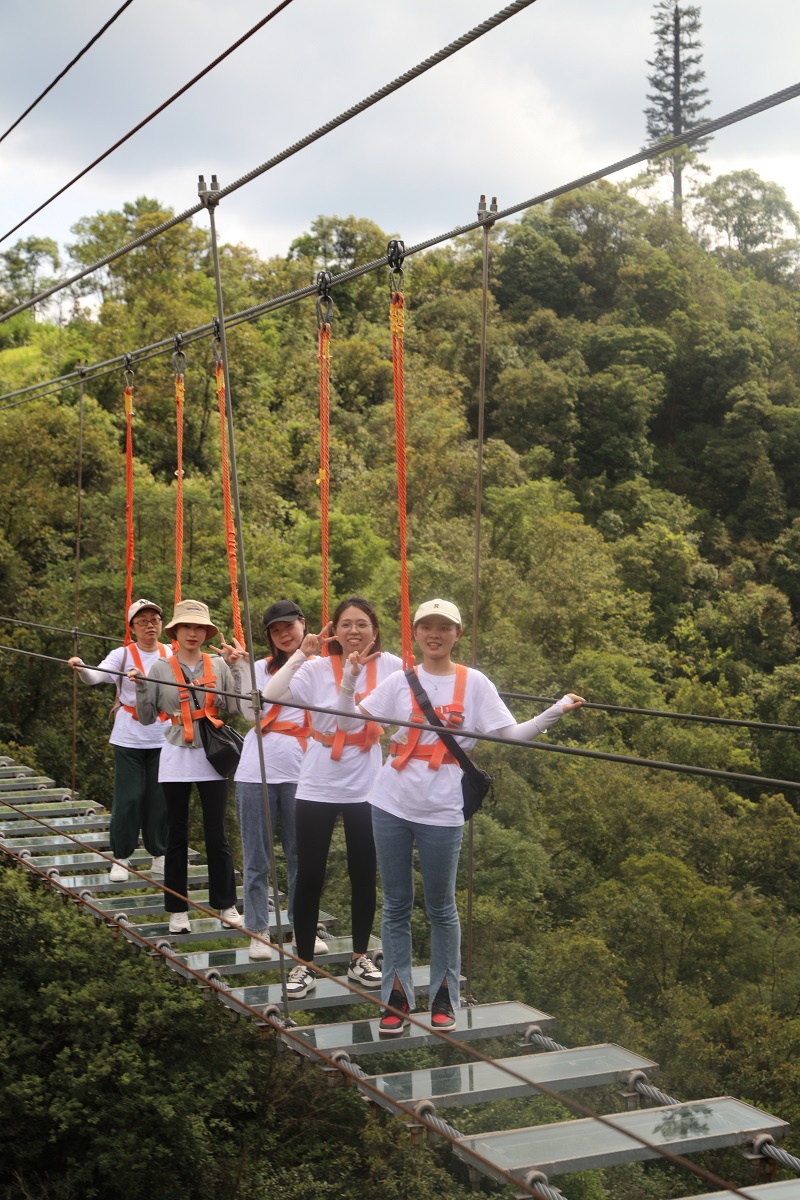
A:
(640, 545)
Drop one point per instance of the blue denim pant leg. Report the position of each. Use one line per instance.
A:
(394, 847)
(439, 847)
(255, 846)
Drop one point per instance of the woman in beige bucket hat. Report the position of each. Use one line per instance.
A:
(183, 759)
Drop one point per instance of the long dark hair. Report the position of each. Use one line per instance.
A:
(365, 606)
(279, 657)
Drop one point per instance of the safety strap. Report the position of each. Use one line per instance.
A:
(364, 738)
(271, 724)
(137, 658)
(189, 714)
(451, 715)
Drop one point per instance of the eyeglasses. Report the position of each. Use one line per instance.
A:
(357, 626)
(147, 620)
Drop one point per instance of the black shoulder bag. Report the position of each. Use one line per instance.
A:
(475, 783)
(222, 745)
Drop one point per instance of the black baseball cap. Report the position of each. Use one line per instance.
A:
(282, 610)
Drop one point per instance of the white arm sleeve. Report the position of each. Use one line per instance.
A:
(92, 677)
(528, 731)
(347, 701)
(277, 689)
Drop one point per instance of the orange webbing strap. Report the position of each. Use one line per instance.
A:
(324, 355)
(128, 500)
(450, 714)
(271, 724)
(230, 529)
(137, 659)
(367, 737)
(397, 327)
(190, 715)
(427, 751)
(179, 403)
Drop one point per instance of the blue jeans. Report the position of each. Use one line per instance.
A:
(439, 847)
(256, 848)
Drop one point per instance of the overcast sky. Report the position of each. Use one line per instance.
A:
(557, 91)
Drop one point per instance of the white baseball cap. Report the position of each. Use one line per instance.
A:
(138, 605)
(438, 608)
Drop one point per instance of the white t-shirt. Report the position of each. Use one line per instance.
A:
(283, 754)
(127, 731)
(348, 781)
(417, 793)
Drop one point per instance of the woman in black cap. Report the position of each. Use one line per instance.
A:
(285, 731)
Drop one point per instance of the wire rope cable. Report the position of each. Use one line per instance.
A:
(388, 89)
(153, 349)
(156, 111)
(60, 76)
(549, 747)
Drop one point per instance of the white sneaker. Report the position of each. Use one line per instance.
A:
(301, 981)
(179, 923)
(320, 945)
(119, 871)
(259, 950)
(157, 867)
(231, 916)
(363, 970)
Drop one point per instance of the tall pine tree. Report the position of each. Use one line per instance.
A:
(677, 98)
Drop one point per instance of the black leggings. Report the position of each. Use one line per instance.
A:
(315, 822)
(221, 879)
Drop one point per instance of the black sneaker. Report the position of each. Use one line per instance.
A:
(391, 1025)
(442, 1015)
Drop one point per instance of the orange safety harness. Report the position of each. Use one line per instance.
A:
(451, 715)
(270, 723)
(364, 738)
(137, 658)
(189, 714)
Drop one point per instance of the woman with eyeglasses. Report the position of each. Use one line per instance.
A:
(336, 778)
(138, 801)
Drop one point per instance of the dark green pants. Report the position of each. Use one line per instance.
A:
(138, 803)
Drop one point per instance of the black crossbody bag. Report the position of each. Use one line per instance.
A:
(222, 745)
(475, 783)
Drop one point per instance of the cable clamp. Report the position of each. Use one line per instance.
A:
(484, 212)
(179, 357)
(324, 301)
(209, 196)
(395, 257)
(216, 340)
(128, 371)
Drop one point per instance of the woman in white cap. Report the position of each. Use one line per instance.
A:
(285, 732)
(336, 778)
(183, 759)
(138, 802)
(417, 799)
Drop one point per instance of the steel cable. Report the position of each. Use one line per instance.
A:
(147, 119)
(152, 350)
(550, 747)
(388, 89)
(60, 76)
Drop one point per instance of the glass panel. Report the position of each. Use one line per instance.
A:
(786, 1189)
(583, 1144)
(585, 1067)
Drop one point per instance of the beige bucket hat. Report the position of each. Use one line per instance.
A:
(191, 612)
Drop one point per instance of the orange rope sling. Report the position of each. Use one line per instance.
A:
(129, 555)
(324, 316)
(230, 529)
(395, 256)
(179, 363)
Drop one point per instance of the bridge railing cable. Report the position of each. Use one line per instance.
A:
(762, 781)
